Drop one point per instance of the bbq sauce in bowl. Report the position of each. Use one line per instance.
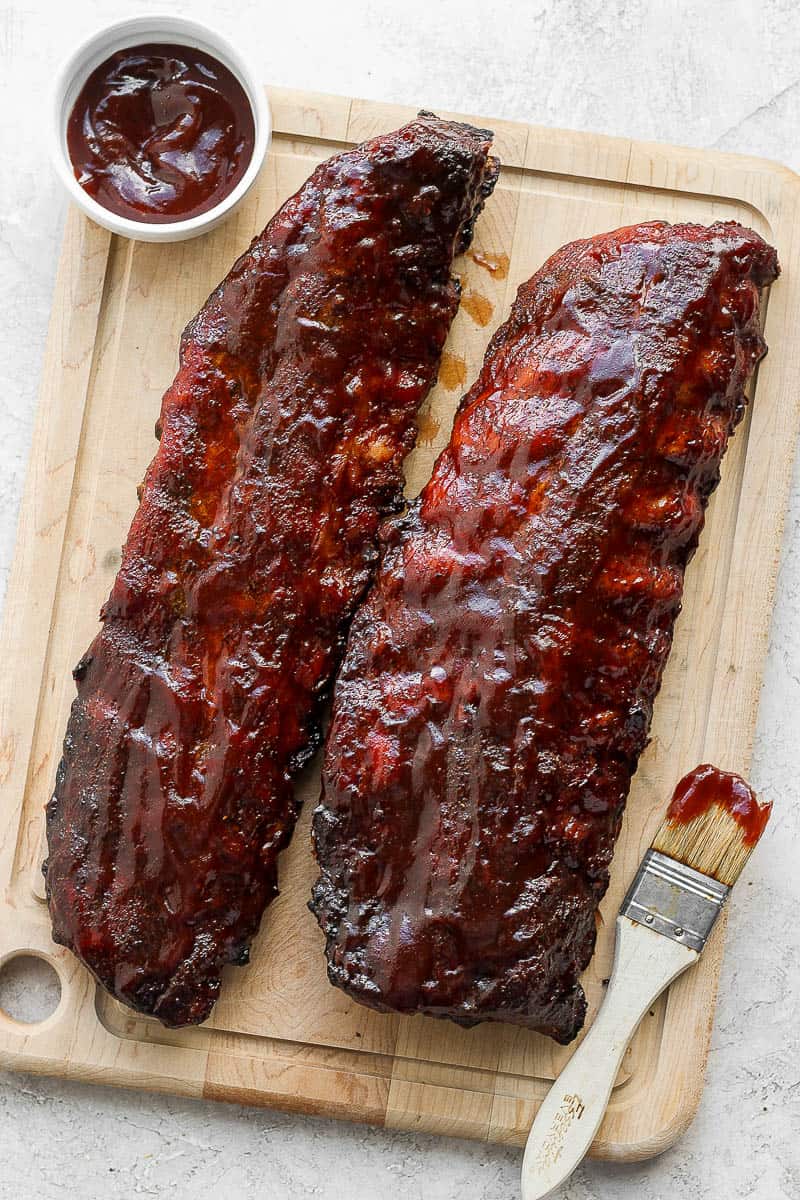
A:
(160, 133)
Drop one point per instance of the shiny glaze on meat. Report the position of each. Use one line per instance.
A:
(282, 442)
(498, 684)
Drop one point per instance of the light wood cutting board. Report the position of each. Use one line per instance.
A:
(280, 1034)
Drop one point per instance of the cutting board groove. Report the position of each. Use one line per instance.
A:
(280, 1034)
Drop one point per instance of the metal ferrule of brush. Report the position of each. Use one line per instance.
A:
(675, 900)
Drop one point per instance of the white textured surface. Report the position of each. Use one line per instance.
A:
(725, 74)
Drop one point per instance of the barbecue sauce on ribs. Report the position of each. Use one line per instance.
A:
(499, 680)
(281, 449)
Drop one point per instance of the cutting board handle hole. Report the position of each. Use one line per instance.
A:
(30, 989)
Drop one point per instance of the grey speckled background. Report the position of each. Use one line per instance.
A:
(724, 74)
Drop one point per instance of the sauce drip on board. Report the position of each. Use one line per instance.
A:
(160, 133)
(705, 786)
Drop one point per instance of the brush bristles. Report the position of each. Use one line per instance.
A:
(713, 842)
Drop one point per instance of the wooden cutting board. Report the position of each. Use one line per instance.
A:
(280, 1034)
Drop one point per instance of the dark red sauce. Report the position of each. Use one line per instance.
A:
(160, 133)
(706, 785)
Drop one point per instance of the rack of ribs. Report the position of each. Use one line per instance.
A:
(281, 447)
(498, 682)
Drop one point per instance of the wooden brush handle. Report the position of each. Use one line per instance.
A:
(645, 962)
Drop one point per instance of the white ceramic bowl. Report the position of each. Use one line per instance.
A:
(139, 31)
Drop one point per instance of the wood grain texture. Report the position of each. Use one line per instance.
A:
(280, 1034)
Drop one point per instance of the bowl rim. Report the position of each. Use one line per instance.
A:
(132, 31)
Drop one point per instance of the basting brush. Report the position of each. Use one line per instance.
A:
(710, 830)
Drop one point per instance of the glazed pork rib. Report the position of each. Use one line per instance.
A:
(499, 680)
(281, 449)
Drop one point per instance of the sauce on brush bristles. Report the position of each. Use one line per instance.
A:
(713, 823)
